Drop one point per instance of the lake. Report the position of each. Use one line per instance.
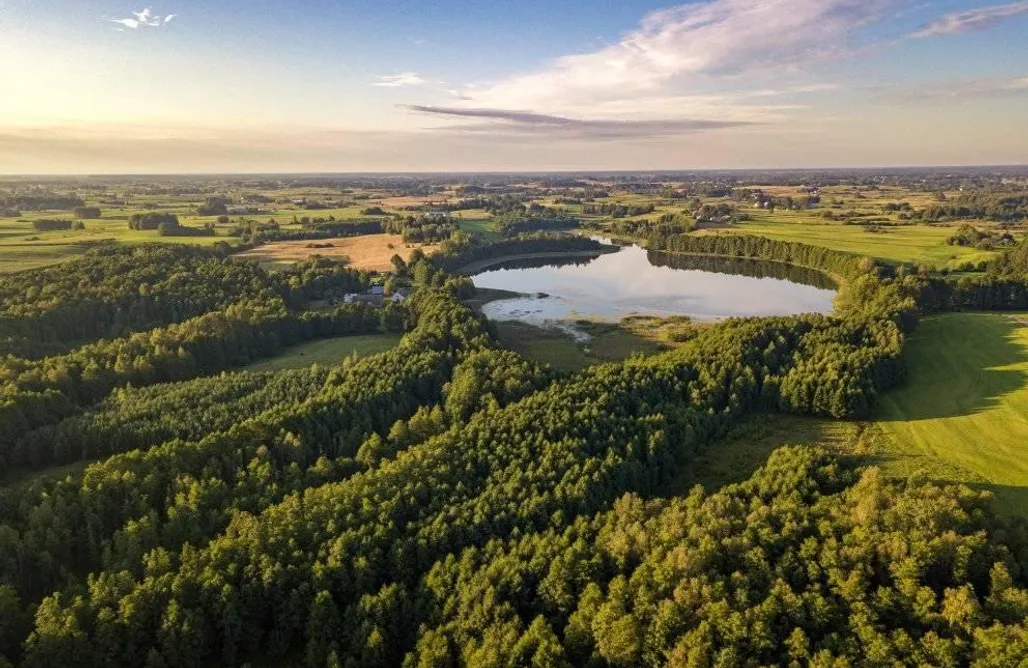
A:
(634, 281)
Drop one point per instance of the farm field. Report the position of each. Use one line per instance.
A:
(23, 248)
(919, 244)
(373, 252)
(963, 413)
(327, 352)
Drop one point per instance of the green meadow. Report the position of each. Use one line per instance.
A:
(327, 352)
(963, 413)
(919, 244)
(21, 247)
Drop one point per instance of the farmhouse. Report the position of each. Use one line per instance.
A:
(376, 296)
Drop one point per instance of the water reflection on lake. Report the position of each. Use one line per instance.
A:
(636, 281)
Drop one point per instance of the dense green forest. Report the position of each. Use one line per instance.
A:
(451, 503)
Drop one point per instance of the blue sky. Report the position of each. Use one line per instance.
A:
(195, 85)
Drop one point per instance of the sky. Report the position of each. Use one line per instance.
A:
(236, 86)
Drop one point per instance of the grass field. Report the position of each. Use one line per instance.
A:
(23, 248)
(609, 342)
(963, 414)
(327, 352)
(480, 222)
(543, 345)
(372, 251)
(920, 244)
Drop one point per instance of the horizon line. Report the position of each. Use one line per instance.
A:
(684, 170)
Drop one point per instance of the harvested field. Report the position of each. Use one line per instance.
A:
(409, 200)
(372, 251)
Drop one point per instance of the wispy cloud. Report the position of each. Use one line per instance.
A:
(145, 18)
(526, 124)
(397, 80)
(972, 19)
(955, 89)
(675, 50)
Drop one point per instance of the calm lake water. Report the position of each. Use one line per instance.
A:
(636, 281)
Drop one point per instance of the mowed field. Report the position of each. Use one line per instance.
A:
(372, 251)
(21, 247)
(963, 413)
(327, 352)
(919, 244)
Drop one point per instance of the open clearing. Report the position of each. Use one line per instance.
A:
(371, 251)
(327, 352)
(747, 445)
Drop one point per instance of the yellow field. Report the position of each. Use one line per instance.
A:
(372, 251)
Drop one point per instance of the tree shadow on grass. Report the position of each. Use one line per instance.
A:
(1011, 500)
(963, 378)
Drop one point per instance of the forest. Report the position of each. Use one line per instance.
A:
(450, 502)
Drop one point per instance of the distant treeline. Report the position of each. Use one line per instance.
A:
(51, 225)
(453, 256)
(667, 224)
(744, 266)
(843, 264)
(88, 212)
(513, 224)
(40, 202)
(413, 229)
(167, 225)
(1003, 287)
(986, 204)
(971, 236)
(618, 210)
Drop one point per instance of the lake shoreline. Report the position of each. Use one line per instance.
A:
(637, 281)
(480, 265)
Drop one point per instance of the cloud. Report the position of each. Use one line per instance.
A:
(144, 18)
(679, 49)
(974, 89)
(525, 124)
(397, 80)
(973, 19)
